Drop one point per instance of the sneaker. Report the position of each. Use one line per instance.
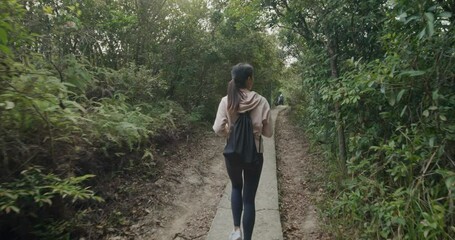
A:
(235, 235)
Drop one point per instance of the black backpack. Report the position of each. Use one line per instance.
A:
(240, 144)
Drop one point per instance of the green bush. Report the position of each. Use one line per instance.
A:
(397, 110)
(35, 189)
(24, 201)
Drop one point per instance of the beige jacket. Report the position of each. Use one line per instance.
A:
(259, 112)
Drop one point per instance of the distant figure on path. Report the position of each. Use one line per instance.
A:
(280, 99)
(241, 99)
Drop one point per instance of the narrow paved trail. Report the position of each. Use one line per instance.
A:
(181, 203)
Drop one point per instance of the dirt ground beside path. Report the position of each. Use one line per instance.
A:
(194, 186)
(299, 181)
(182, 202)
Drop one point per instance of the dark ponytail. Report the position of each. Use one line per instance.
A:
(239, 74)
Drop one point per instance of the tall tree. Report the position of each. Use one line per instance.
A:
(343, 29)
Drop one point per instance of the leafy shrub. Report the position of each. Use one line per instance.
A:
(36, 189)
(25, 199)
(112, 122)
(34, 111)
(397, 111)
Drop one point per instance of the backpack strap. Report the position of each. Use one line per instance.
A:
(260, 135)
(260, 143)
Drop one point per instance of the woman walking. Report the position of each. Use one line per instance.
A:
(241, 99)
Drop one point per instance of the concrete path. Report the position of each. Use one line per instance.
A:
(268, 224)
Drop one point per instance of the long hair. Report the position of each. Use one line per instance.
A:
(239, 74)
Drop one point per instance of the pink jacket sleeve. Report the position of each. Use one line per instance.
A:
(221, 121)
(267, 128)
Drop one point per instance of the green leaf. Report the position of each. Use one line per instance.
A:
(391, 99)
(425, 233)
(443, 118)
(426, 113)
(422, 33)
(5, 49)
(48, 10)
(3, 36)
(445, 15)
(78, 106)
(147, 154)
(430, 23)
(402, 17)
(47, 200)
(435, 95)
(412, 18)
(9, 105)
(403, 111)
(412, 73)
(450, 183)
(13, 208)
(400, 94)
(431, 142)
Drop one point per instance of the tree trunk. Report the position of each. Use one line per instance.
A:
(332, 51)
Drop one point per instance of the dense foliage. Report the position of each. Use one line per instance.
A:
(374, 81)
(91, 87)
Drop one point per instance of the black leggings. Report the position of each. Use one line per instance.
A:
(249, 183)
